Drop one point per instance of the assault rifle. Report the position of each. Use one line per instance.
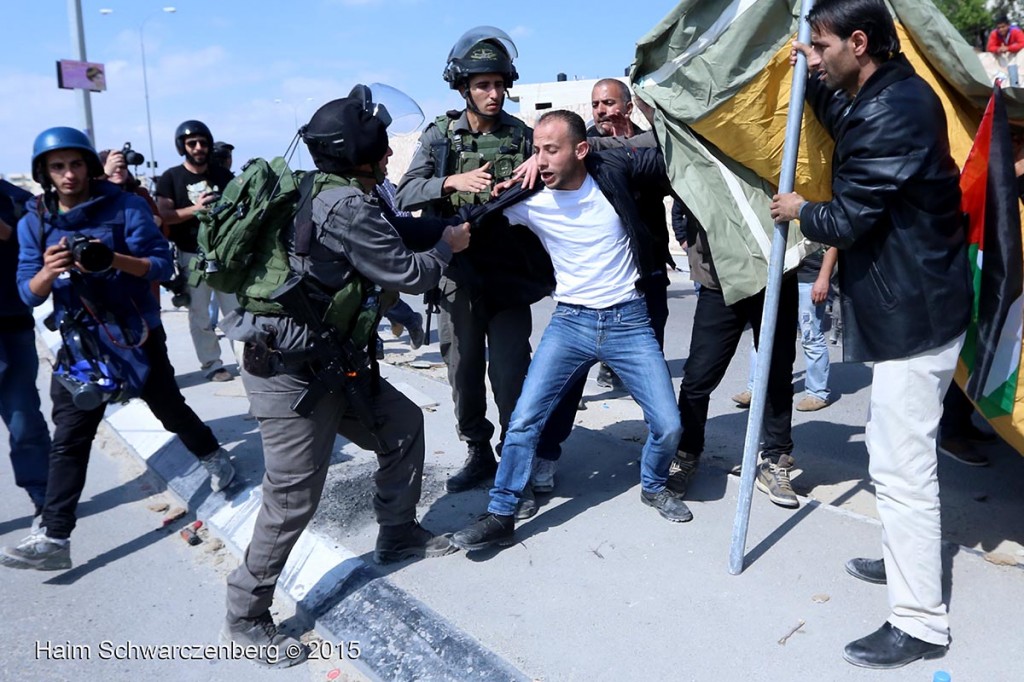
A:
(337, 366)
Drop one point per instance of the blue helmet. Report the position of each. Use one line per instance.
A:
(63, 137)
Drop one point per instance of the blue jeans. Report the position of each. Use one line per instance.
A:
(19, 407)
(576, 338)
(813, 342)
(403, 314)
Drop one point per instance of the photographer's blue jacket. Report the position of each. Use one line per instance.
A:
(122, 221)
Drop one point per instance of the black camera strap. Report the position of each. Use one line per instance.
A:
(83, 289)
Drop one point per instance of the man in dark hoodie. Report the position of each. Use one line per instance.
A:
(19, 362)
(95, 249)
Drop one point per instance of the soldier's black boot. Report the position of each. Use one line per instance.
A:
(408, 541)
(480, 466)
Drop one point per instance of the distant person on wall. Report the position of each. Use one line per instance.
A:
(1005, 40)
(180, 192)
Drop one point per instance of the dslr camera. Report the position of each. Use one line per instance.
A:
(132, 157)
(92, 256)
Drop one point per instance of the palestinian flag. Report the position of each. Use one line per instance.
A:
(992, 347)
(717, 74)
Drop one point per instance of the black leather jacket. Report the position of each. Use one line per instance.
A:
(895, 216)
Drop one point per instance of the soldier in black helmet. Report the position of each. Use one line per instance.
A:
(180, 192)
(486, 294)
(340, 238)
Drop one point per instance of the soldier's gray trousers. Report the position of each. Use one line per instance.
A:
(475, 344)
(297, 453)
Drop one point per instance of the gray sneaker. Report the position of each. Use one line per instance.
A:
(273, 650)
(773, 480)
(38, 552)
(681, 471)
(543, 479)
(219, 467)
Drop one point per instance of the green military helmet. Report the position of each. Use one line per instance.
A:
(484, 49)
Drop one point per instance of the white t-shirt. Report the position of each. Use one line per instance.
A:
(587, 242)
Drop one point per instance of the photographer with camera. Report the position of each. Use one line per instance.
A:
(115, 169)
(95, 249)
(180, 192)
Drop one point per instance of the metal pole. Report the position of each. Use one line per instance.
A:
(295, 117)
(78, 41)
(145, 91)
(770, 312)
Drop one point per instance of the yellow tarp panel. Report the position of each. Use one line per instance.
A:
(751, 126)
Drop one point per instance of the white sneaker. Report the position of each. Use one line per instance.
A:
(219, 467)
(543, 479)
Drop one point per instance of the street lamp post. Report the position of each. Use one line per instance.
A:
(145, 83)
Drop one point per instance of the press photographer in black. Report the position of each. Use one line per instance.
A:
(181, 191)
(95, 249)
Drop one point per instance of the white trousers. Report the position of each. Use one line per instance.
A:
(200, 325)
(903, 420)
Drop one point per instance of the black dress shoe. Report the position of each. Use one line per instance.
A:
(868, 570)
(890, 647)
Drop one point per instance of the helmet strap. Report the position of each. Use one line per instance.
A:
(471, 105)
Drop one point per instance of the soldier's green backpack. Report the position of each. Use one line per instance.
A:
(240, 247)
(242, 251)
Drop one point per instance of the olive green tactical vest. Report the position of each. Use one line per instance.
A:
(505, 148)
(354, 310)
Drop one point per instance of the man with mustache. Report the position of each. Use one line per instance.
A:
(906, 294)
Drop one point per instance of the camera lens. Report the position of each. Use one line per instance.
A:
(92, 256)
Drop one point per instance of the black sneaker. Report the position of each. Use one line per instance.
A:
(773, 480)
(868, 570)
(480, 467)
(681, 471)
(489, 529)
(410, 541)
(272, 649)
(668, 505)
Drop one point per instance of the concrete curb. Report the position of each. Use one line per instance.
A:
(400, 637)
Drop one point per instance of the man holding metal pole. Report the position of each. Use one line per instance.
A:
(895, 216)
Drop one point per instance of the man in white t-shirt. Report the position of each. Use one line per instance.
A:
(587, 221)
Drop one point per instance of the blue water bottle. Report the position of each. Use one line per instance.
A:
(941, 676)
